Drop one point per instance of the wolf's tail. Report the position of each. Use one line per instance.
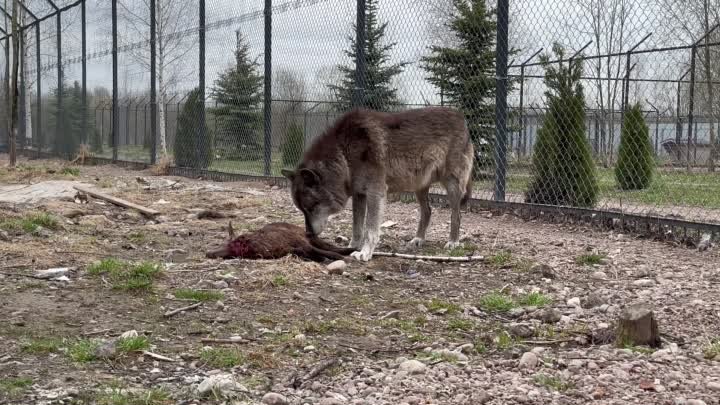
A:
(471, 169)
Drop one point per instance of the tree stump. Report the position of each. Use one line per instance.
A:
(637, 326)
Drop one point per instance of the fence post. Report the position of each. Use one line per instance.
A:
(38, 75)
(501, 59)
(153, 88)
(267, 107)
(83, 24)
(360, 63)
(115, 123)
(691, 105)
(201, 52)
(60, 110)
(22, 128)
(678, 126)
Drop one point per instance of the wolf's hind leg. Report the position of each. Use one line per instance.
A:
(425, 212)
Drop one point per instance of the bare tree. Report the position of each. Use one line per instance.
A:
(14, 82)
(610, 28)
(173, 18)
(690, 20)
(289, 93)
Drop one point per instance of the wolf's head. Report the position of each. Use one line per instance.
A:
(316, 197)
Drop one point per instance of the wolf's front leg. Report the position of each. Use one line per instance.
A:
(375, 211)
(359, 205)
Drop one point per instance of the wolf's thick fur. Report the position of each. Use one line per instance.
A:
(367, 154)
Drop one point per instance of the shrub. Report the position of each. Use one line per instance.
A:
(191, 148)
(563, 168)
(634, 168)
(293, 146)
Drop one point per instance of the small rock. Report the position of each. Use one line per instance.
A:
(272, 398)
(129, 334)
(574, 302)
(549, 315)
(544, 271)
(705, 242)
(529, 360)
(52, 273)
(713, 386)
(341, 240)
(598, 393)
(592, 300)
(481, 396)
(467, 348)
(521, 330)
(4, 236)
(599, 275)
(412, 367)
(694, 402)
(330, 401)
(222, 385)
(644, 282)
(337, 267)
(575, 364)
(107, 350)
(220, 285)
(449, 354)
(516, 312)
(388, 224)
(309, 348)
(391, 315)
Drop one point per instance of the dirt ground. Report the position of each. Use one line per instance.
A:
(532, 323)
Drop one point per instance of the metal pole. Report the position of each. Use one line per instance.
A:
(501, 58)
(360, 62)
(38, 124)
(201, 136)
(83, 17)
(678, 126)
(60, 111)
(153, 88)
(523, 133)
(267, 107)
(691, 105)
(115, 121)
(22, 128)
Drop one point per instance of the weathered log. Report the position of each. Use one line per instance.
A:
(637, 326)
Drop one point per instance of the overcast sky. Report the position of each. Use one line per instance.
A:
(311, 39)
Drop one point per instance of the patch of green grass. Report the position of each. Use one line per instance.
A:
(712, 350)
(83, 351)
(118, 396)
(222, 357)
(497, 302)
(137, 237)
(15, 386)
(41, 345)
(552, 383)
(133, 344)
(534, 299)
(464, 249)
(31, 223)
(436, 305)
(501, 259)
(458, 324)
(480, 347)
(590, 259)
(126, 276)
(280, 281)
(198, 295)
(70, 171)
(504, 341)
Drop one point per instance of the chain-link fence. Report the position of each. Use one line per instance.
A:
(601, 104)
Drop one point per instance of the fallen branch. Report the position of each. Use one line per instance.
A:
(157, 356)
(431, 258)
(316, 371)
(547, 342)
(118, 201)
(97, 332)
(225, 341)
(177, 311)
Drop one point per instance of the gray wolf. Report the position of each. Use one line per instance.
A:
(276, 240)
(367, 154)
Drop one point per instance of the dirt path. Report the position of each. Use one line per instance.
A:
(401, 332)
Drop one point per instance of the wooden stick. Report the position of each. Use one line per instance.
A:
(117, 201)
(177, 311)
(157, 356)
(224, 341)
(431, 258)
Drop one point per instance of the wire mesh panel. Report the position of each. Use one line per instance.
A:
(599, 104)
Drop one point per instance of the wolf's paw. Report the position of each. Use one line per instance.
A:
(416, 243)
(362, 256)
(452, 245)
(355, 244)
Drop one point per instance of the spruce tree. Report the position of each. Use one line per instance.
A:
(238, 92)
(465, 73)
(193, 143)
(379, 92)
(634, 168)
(68, 127)
(563, 169)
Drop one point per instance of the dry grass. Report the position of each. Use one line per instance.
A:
(162, 167)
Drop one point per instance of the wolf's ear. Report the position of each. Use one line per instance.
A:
(309, 177)
(289, 174)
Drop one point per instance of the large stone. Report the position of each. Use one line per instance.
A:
(221, 385)
(412, 367)
(272, 398)
(529, 360)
